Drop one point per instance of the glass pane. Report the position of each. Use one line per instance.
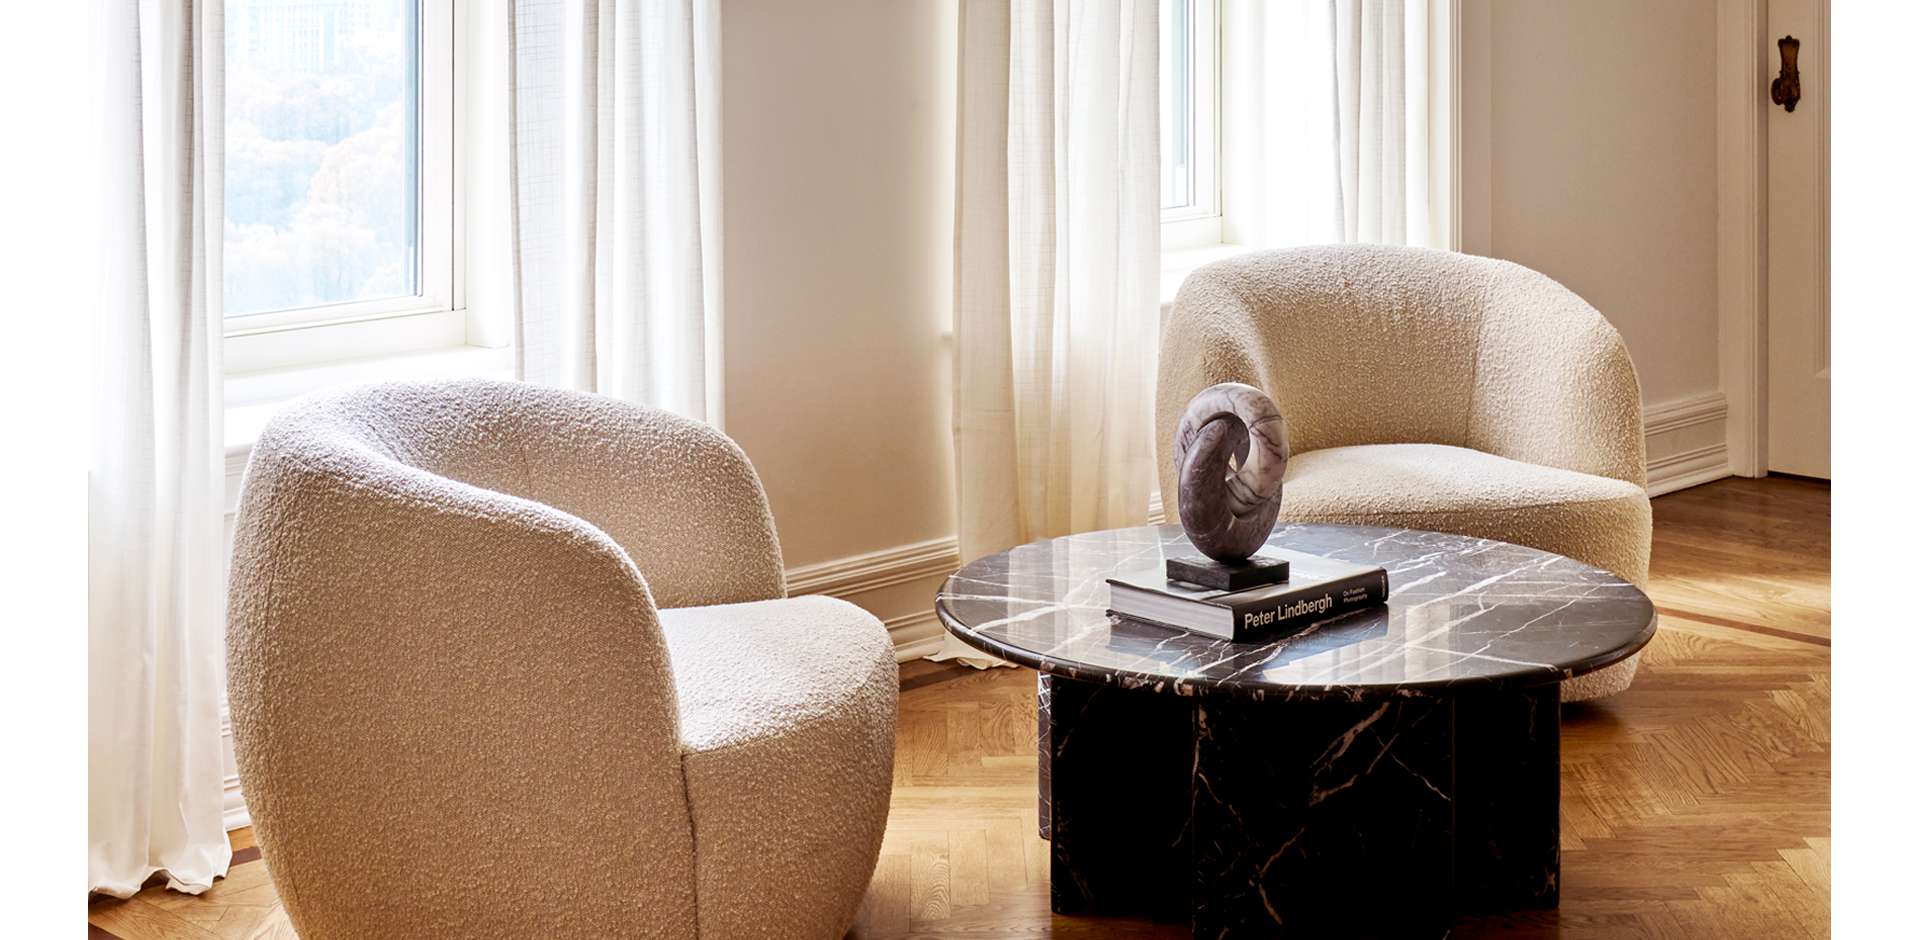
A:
(1176, 104)
(322, 152)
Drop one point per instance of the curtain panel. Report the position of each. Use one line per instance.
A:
(614, 209)
(1056, 267)
(1327, 131)
(156, 606)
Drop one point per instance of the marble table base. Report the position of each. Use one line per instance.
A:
(1300, 818)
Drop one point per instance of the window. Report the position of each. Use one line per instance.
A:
(339, 236)
(1189, 123)
(1305, 123)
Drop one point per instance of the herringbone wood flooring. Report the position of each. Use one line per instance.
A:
(1693, 805)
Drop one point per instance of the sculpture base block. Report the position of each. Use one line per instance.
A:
(1219, 575)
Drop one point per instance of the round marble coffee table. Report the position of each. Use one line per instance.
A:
(1373, 775)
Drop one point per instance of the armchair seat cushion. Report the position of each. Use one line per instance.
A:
(787, 715)
(1598, 520)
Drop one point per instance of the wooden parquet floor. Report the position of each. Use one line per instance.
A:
(1694, 805)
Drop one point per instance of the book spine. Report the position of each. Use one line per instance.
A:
(1291, 613)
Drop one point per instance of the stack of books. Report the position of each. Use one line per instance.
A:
(1314, 590)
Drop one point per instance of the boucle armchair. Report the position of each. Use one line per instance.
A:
(509, 661)
(1431, 390)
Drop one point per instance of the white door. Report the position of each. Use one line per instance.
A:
(1798, 330)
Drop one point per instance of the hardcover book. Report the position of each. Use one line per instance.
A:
(1316, 589)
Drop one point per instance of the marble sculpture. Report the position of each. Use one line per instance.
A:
(1230, 451)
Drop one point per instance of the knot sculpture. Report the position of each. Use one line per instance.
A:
(1230, 450)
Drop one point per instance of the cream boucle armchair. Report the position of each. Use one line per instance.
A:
(1431, 390)
(473, 695)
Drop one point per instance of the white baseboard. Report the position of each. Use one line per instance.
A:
(1686, 442)
(1687, 468)
(233, 806)
(1668, 416)
(915, 635)
(915, 630)
(858, 574)
(233, 803)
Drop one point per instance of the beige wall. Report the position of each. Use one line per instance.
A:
(838, 155)
(1589, 154)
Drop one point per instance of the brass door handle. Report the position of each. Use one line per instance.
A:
(1786, 88)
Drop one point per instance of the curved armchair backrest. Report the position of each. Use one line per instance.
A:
(452, 703)
(1369, 344)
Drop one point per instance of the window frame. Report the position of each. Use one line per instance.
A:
(436, 317)
(1198, 224)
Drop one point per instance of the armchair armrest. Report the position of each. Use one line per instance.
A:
(417, 661)
(679, 496)
(1554, 384)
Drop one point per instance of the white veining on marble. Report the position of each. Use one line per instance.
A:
(1461, 610)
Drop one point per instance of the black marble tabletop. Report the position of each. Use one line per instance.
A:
(1461, 612)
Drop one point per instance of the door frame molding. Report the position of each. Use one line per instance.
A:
(1741, 103)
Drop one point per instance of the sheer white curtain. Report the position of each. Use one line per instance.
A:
(1056, 254)
(1329, 131)
(614, 171)
(156, 605)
